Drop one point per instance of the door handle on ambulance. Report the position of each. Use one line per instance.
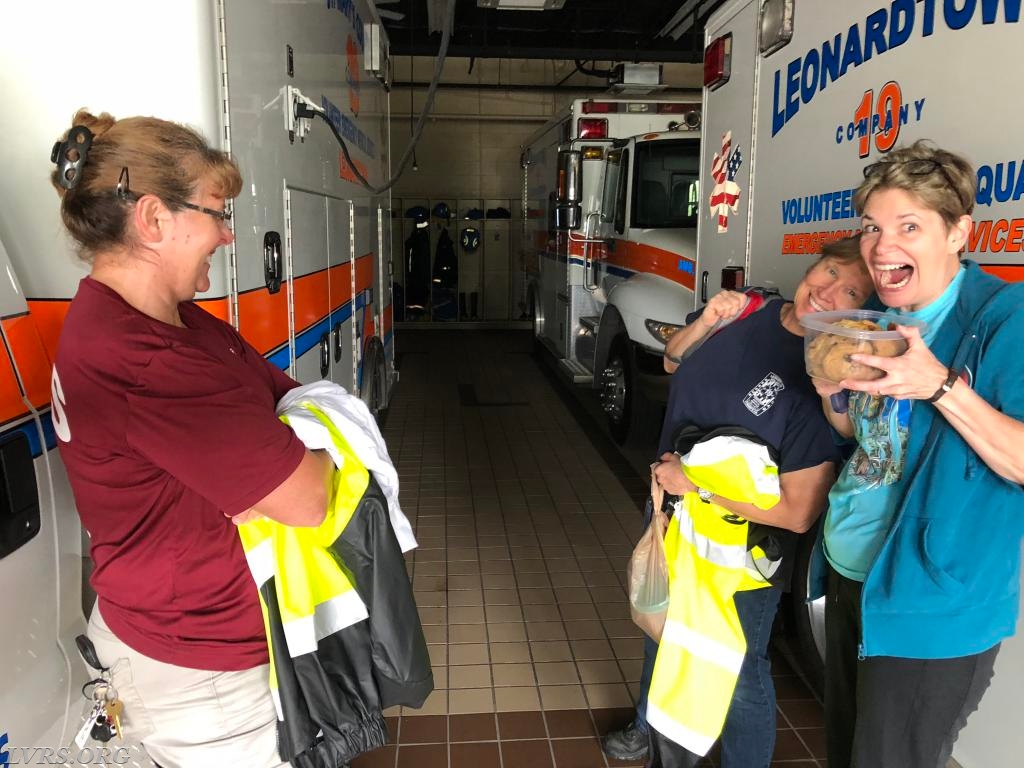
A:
(325, 355)
(272, 261)
(704, 287)
(337, 341)
(588, 261)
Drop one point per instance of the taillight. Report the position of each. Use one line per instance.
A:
(592, 128)
(718, 62)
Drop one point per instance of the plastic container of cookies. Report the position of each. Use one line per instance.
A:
(831, 337)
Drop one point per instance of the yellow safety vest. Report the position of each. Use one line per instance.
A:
(313, 590)
(702, 646)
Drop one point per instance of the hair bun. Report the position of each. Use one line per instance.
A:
(97, 124)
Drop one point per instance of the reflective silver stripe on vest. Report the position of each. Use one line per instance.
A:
(702, 646)
(760, 568)
(662, 722)
(329, 617)
(724, 555)
(261, 561)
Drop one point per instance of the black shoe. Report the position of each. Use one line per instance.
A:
(628, 744)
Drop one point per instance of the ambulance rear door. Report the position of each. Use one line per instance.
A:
(728, 151)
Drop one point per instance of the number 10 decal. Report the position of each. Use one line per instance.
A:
(880, 119)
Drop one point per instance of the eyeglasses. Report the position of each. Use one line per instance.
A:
(918, 167)
(124, 193)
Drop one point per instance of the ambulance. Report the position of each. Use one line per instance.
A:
(306, 281)
(611, 199)
(801, 95)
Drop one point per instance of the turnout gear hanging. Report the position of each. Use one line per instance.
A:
(445, 278)
(417, 267)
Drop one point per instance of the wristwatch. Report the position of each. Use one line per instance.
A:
(705, 495)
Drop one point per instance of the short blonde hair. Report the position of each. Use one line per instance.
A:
(943, 181)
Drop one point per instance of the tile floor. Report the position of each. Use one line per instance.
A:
(525, 518)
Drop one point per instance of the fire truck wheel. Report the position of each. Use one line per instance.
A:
(627, 410)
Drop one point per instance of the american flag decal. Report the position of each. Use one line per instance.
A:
(725, 196)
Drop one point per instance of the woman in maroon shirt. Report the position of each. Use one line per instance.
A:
(166, 424)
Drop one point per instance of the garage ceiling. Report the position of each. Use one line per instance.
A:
(586, 30)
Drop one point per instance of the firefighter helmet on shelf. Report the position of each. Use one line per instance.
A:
(470, 239)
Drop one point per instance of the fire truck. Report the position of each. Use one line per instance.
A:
(307, 280)
(611, 197)
(799, 97)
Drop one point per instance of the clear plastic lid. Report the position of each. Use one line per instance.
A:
(825, 322)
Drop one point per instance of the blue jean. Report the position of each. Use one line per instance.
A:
(748, 738)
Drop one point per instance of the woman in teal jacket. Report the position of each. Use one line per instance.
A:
(924, 526)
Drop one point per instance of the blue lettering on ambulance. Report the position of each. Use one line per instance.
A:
(348, 130)
(882, 30)
(826, 206)
(901, 22)
(853, 56)
(928, 21)
(809, 79)
(830, 61)
(1004, 182)
(874, 35)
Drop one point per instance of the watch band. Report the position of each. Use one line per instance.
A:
(951, 376)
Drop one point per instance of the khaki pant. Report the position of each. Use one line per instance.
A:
(190, 718)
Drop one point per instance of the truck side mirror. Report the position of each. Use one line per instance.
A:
(567, 211)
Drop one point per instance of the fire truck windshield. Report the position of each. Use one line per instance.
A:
(665, 184)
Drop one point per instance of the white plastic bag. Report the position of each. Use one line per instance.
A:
(648, 571)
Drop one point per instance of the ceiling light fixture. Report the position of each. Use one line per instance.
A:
(521, 5)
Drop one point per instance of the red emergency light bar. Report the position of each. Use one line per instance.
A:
(663, 108)
(600, 107)
(592, 128)
(718, 62)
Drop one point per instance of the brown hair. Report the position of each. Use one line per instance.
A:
(943, 181)
(165, 159)
(845, 250)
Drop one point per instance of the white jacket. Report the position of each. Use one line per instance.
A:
(353, 419)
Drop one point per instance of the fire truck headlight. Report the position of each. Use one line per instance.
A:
(661, 331)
